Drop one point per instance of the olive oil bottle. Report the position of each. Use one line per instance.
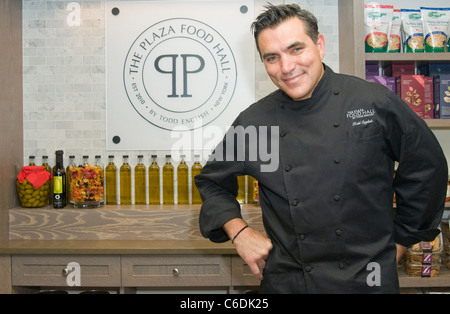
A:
(140, 196)
(195, 170)
(31, 161)
(100, 180)
(183, 182)
(45, 163)
(111, 182)
(59, 182)
(153, 182)
(48, 169)
(125, 182)
(251, 190)
(241, 190)
(168, 181)
(70, 166)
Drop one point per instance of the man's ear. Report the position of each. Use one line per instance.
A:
(321, 45)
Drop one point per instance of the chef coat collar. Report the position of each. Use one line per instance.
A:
(319, 90)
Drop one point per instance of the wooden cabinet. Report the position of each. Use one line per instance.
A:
(132, 271)
(176, 271)
(55, 270)
(241, 273)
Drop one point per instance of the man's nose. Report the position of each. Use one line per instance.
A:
(287, 65)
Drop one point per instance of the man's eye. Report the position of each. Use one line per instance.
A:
(271, 59)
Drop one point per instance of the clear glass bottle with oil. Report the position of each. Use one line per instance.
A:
(69, 169)
(153, 182)
(241, 189)
(195, 170)
(49, 169)
(140, 196)
(183, 181)
(168, 181)
(125, 182)
(111, 182)
(31, 161)
(251, 186)
(99, 183)
(45, 163)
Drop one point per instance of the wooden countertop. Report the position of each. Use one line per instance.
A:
(122, 247)
(115, 229)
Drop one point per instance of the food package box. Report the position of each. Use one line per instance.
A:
(372, 68)
(442, 96)
(411, 88)
(423, 259)
(433, 69)
(387, 81)
(428, 97)
(399, 68)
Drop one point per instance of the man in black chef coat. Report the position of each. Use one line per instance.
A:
(327, 207)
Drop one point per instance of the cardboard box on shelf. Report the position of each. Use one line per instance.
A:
(387, 81)
(411, 88)
(399, 68)
(442, 96)
(428, 97)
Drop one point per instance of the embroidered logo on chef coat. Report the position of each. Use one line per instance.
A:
(361, 115)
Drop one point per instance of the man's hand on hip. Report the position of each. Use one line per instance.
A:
(252, 246)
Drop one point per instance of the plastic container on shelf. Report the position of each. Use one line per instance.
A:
(445, 227)
(424, 259)
(417, 270)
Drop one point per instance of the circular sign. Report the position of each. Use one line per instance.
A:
(180, 74)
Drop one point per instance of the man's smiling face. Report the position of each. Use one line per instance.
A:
(292, 60)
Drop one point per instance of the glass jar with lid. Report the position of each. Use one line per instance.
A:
(86, 184)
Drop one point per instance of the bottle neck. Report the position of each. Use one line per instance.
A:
(59, 161)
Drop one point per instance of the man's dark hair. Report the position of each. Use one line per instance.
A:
(275, 14)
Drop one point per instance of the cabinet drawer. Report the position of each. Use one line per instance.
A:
(54, 270)
(241, 275)
(176, 270)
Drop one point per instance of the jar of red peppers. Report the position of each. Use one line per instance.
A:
(86, 184)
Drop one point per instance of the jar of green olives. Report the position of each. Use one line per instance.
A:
(33, 186)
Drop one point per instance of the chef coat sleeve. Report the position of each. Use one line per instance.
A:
(218, 187)
(420, 182)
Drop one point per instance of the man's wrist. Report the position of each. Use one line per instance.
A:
(239, 232)
(233, 226)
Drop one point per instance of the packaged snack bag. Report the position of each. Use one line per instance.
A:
(412, 30)
(435, 28)
(395, 33)
(377, 23)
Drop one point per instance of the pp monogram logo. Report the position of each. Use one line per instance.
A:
(180, 71)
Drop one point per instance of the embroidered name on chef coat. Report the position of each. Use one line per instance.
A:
(362, 114)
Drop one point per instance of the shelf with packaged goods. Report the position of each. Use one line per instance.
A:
(419, 59)
(442, 280)
(352, 56)
(425, 57)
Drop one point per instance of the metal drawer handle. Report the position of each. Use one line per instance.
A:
(65, 272)
(175, 272)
